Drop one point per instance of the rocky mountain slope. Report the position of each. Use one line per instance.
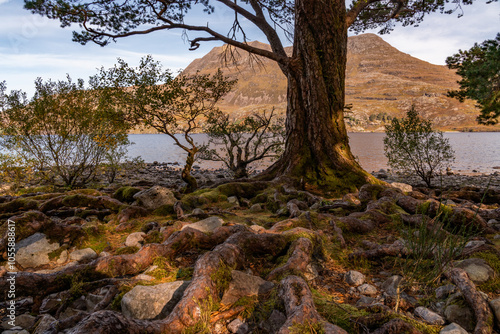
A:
(382, 83)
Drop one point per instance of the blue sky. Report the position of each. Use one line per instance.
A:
(32, 46)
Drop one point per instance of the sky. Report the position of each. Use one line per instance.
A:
(32, 46)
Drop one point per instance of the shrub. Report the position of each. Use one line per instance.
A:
(64, 130)
(240, 144)
(412, 146)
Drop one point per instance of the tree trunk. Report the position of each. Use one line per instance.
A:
(186, 176)
(240, 170)
(317, 152)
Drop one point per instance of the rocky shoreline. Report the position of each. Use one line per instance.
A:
(253, 257)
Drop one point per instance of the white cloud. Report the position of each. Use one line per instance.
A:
(3, 1)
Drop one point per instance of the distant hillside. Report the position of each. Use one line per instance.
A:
(382, 82)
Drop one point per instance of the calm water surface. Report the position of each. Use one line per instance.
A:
(474, 151)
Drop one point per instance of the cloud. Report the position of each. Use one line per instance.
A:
(3, 1)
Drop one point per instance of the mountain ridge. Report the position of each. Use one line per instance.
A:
(381, 82)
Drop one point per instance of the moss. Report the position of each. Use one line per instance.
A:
(185, 274)
(56, 253)
(202, 197)
(19, 204)
(116, 304)
(242, 189)
(307, 327)
(164, 210)
(126, 194)
(203, 326)
(126, 250)
(222, 277)
(154, 237)
(493, 260)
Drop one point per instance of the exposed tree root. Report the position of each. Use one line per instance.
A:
(378, 251)
(300, 307)
(298, 261)
(396, 326)
(484, 316)
(338, 232)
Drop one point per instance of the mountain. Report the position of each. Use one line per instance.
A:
(381, 82)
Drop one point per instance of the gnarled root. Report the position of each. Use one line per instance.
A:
(300, 308)
(484, 317)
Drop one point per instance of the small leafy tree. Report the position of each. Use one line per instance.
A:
(169, 105)
(239, 144)
(411, 145)
(64, 130)
(479, 68)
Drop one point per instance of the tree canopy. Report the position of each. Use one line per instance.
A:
(479, 68)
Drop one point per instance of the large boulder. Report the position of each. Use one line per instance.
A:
(244, 285)
(206, 225)
(152, 302)
(155, 197)
(135, 239)
(495, 306)
(34, 251)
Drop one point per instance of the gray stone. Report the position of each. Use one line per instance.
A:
(495, 306)
(237, 326)
(16, 330)
(445, 290)
(256, 208)
(91, 300)
(244, 285)
(233, 200)
(391, 285)
(365, 301)
(63, 257)
(354, 278)
(135, 239)
(83, 255)
(406, 188)
(34, 251)
(144, 277)
(478, 270)
(51, 303)
(461, 315)
(152, 302)
(104, 254)
(24, 321)
(44, 324)
(429, 316)
(367, 289)
(206, 225)
(155, 197)
(198, 212)
(274, 323)
(453, 328)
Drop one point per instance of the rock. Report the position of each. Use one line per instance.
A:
(244, 285)
(445, 290)
(351, 198)
(237, 326)
(461, 315)
(24, 321)
(135, 239)
(365, 301)
(206, 225)
(16, 330)
(256, 208)
(34, 251)
(429, 316)
(151, 226)
(475, 243)
(495, 306)
(155, 197)
(83, 255)
(367, 289)
(406, 188)
(152, 302)
(274, 323)
(91, 300)
(198, 212)
(44, 324)
(453, 328)
(390, 286)
(104, 254)
(51, 303)
(257, 228)
(144, 277)
(354, 278)
(63, 257)
(478, 270)
(233, 200)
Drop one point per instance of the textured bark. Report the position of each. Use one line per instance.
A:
(297, 262)
(317, 154)
(300, 307)
(203, 287)
(484, 316)
(378, 251)
(396, 326)
(338, 232)
(186, 176)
